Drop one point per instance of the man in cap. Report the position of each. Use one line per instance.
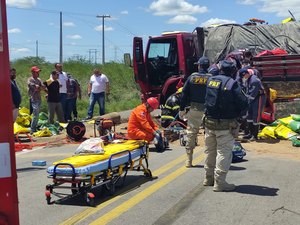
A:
(193, 95)
(35, 87)
(224, 102)
(255, 93)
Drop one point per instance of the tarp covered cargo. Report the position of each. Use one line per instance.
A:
(223, 39)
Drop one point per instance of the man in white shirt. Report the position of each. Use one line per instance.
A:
(97, 88)
(63, 81)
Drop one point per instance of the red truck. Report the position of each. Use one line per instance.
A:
(170, 58)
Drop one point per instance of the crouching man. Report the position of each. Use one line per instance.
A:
(140, 123)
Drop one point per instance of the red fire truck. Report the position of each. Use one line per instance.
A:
(170, 58)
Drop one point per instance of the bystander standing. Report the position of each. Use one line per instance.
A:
(53, 99)
(35, 87)
(97, 88)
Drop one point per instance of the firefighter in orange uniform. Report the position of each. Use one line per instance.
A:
(140, 124)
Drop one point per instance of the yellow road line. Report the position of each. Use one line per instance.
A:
(116, 212)
(90, 211)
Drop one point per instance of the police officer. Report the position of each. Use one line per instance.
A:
(193, 95)
(224, 102)
(256, 97)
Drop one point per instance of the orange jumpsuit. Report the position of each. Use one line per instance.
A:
(141, 125)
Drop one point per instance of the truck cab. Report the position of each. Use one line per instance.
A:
(168, 60)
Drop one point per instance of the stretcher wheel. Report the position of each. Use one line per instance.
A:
(148, 173)
(48, 197)
(49, 188)
(74, 191)
(111, 187)
(90, 199)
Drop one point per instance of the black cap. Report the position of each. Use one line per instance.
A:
(227, 67)
(203, 61)
(243, 72)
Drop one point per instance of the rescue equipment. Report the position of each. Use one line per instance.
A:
(75, 130)
(238, 152)
(84, 172)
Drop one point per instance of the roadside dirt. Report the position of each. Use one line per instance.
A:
(270, 147)
(273, 148)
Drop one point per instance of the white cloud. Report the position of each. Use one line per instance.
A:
(216, 21)
(14, 31)
(106, 28)
(279, 7)
(183, 19)
(21, 3)
(19, 50)
(124, 12)
(175, 7)
(75, 36)
(248, 2)
(68, 24)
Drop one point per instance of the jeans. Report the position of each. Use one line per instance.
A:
(63, 101)
(35, 111)
(71, 107)
(100, 98)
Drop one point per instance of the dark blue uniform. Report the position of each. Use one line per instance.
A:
(194, 89)
(224, 98)
(224, 102)
(255, 93)
(193, 94)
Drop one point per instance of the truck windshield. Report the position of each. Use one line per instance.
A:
(159, 50)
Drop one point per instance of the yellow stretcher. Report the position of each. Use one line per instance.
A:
(81, 173)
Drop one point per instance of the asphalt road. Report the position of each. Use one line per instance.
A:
(267, 193)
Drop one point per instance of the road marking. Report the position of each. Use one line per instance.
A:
(90, 211)
(116, 212)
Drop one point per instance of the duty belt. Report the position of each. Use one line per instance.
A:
(198, 106)
(218, 124)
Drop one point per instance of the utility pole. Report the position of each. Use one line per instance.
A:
(93, 50)
(36, 48)
(103, 47)
(60, 41)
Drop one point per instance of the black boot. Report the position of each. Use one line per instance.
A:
(248, 133)
(254, 132)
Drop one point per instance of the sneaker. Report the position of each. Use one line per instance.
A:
(87, 118)
(208, 181)
(220, 187)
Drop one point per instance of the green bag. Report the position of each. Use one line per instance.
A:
(296, 117)
(295, 126)
(43, 116)
(295, 141)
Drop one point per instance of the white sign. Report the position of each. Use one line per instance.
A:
(5, 164)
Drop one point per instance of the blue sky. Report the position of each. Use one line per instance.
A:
(33, 25)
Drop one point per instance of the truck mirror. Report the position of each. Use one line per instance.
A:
(127, 59)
